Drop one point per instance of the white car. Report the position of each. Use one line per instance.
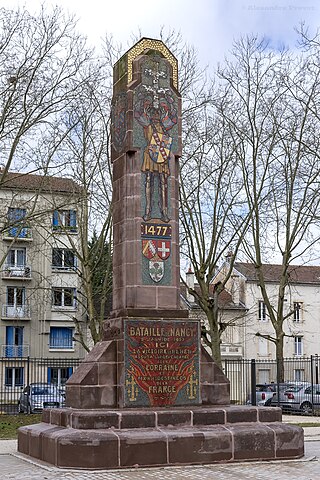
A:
(37, 396)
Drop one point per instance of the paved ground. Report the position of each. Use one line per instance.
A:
(15, 466)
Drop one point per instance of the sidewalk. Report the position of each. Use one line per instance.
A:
(311, 433)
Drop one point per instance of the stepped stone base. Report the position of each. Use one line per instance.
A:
(102, 439)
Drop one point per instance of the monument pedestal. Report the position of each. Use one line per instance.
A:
(119, 438)
(151, 358)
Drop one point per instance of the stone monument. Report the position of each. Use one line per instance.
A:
(149, 394)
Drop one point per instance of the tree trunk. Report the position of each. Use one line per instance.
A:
(279, 357)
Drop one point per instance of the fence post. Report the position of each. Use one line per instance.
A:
(253, 382)
(312, 383)
(28, 383)
(278, 382)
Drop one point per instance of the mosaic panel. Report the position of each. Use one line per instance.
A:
(162, 363)
(155, 132)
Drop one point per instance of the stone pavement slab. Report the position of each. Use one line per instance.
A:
(15, 466)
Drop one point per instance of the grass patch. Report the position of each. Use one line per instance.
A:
(307, 424)
(9, 424)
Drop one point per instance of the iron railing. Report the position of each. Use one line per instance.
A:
(245, 374)
(18, 373)
(21, 312)
(18, 376)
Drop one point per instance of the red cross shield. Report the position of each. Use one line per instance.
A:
(163, 249)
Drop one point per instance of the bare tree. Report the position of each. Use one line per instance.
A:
(87, 154)
(55, 100)
(271, 109)
(214, 216)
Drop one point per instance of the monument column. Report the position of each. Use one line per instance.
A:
(146, 145)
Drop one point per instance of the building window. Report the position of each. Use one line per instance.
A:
(15, 296)
(63, 258)
(61, 338)
(14, 377)
(299, 375)
(64, 220)
(298, 350)
(297, 311)
(263, 346)
(16, 257)
(15, 215)
(59, 376)
(16, 226)
(16, 306)
(263, 376)
(262, 311)
(14, 342)
(64, 297)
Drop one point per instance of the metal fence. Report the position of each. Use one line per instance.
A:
(246, 374)
(17, 374)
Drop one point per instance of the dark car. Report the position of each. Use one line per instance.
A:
(37, 396)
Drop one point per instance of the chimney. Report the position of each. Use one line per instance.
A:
(235, 289)
(190, 284)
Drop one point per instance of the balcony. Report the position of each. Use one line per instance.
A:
(232, 350)
(14, 351)
(18, 233)
(17, 312)
(17, 272)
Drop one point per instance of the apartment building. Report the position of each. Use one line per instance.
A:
(242, 307)
(302, 309)
(40, 294)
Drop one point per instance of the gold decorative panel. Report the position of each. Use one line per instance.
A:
(157, 45)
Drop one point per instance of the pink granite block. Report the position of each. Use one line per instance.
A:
(253, 441)
(142, 447)
(197, 446)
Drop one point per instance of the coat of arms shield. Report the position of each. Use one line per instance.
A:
(156, 269)
(160, 147)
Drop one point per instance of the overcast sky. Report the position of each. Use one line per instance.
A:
(209, 25)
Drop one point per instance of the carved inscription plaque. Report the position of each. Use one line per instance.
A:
(161, 363)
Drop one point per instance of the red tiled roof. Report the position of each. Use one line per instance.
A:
(272, 273)
(45, 183)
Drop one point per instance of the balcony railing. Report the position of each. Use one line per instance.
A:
(18, 272)
(21, 312)
(65, 228)
(19, 233)
(11, 351)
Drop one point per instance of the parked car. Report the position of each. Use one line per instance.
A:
(300, 398)
(37, 396)
(266, 391)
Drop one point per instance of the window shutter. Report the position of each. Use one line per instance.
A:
(73, 218)
(20, 336)
(55, 218)
(9, 341)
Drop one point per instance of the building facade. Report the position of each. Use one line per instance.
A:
(40, 283)
(242, 307)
